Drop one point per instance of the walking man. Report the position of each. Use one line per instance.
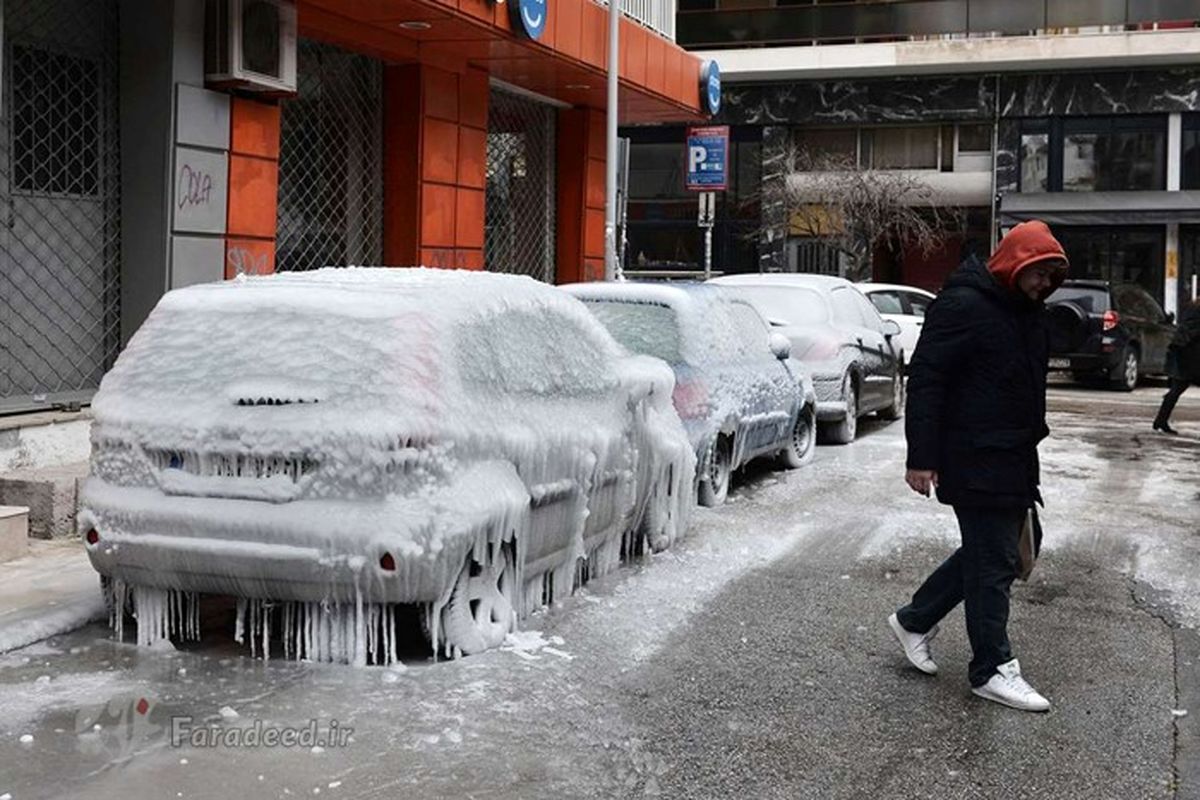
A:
(976, 412)
(1183, 364)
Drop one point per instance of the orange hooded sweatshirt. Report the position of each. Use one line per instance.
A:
(1027, 244)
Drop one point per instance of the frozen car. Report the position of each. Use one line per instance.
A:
(904, 305)
(737, 393)
(325, 446)
(851, 352)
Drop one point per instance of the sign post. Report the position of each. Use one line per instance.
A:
(707, 158)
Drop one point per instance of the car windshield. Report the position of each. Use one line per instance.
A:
(1091, 299)
(645, 328)
(787, 305)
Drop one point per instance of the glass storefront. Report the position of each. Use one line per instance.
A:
(1121, 254)
(1189, 264)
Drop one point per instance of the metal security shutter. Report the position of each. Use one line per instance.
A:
(59, 201)
(331, 162)
(520, 211)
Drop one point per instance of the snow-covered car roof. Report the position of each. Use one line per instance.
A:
(868, 287)
(822, 282)
(351, 337)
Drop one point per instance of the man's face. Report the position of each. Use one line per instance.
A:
(1035, 280)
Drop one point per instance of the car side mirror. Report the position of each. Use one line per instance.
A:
(891, 328)
(781, 346)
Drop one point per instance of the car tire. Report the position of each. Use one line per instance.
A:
(802, 440)
(844, 430)
(896, 409)
(481, 610)
(1127, 370)
(715, 489)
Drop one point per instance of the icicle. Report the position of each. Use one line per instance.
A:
(360, 631)
(266, 633)
(239, 629)
(391, 629)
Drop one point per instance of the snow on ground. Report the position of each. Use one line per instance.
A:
(50, 591)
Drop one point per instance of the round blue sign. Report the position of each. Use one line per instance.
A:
(530, 16)
(710, 86)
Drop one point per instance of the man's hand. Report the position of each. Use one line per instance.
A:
(922, 481)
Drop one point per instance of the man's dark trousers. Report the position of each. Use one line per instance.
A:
(979, 574)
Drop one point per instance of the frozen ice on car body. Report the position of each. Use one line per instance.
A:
(348, 439)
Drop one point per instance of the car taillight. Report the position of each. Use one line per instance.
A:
(91, 537)
(387, 562)
(690, 399)
(1111, 318)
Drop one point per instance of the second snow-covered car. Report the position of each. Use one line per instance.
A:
(850, 351)
(738, 394)
(327, 445)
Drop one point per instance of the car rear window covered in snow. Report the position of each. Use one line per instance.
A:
(645, 328)
(787, 305)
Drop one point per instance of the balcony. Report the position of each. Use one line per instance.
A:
(913, 20)
(657, 15)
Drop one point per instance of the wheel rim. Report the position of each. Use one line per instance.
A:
(489, 589)
(801, 435)
(1131, 369)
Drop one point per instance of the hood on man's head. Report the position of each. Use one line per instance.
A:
(1027, 244)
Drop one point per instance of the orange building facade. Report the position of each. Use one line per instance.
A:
(440, 59)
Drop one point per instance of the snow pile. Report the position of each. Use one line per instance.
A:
(326, 444)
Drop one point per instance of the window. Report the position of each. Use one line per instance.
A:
(870, 316)
(845, 309)
(904, 148)
(788, 305)
(657, 170)
(837, 145)
(650, 329)
(886, 302)
(1035, 162)
(974, 138)
(1121, 254)
(751, 330)
(918, 304)
(1134, 301)
(56, 125)
(1114, 154)
(1190, 158)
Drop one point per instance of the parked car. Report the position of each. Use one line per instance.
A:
(1110, 333)
(737, 392)
(851, 352)
(327, 445)
(903, 305)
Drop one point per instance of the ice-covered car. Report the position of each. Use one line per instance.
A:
(851, 352)
(739, 395)
(327, 445)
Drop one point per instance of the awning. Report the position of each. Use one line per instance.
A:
(1101, 208)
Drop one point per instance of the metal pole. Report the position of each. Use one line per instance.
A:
(610, 150)
(708, 252)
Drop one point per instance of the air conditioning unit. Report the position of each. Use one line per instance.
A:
(251, 45)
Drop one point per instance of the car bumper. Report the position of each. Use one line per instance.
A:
(308, 551)
(831, 410)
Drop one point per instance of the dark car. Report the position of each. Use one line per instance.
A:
(1109, 333)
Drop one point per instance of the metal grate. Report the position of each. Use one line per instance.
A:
(59, 201)
(519, 224)
(331, 162)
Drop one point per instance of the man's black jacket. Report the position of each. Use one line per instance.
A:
(977, 392)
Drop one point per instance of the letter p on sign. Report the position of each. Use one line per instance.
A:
(696, 156)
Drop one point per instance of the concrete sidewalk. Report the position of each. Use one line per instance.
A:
(48, 592)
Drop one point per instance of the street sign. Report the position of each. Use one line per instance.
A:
(708, 209)
(707, 149)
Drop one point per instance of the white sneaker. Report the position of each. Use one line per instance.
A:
(916, 645)
(1009, 688)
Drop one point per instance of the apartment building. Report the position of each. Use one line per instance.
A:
(1083, 114)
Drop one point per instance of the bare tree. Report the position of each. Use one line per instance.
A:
(832, 200)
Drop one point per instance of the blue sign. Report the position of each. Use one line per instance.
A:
(710, 86)
(529, 16)
(707, 148)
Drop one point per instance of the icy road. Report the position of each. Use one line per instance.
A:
(751, 660)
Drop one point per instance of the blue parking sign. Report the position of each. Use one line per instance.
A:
(707, 149)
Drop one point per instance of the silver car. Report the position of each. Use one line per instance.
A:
(852, 353)
(737, 392)
(324, 446)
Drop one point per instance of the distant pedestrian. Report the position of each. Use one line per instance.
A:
(976, 412)
(1183, 364)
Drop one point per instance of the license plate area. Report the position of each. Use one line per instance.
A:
(1060, 363)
